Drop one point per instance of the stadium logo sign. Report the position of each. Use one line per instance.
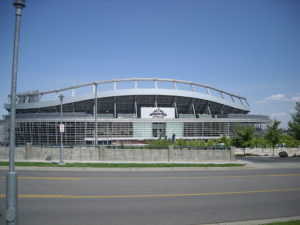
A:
(158, 113)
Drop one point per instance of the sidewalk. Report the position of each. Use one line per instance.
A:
(248, 166)
(129, 168)
(257, 222)
(284, 165)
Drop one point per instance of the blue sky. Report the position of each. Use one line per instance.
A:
(247, 47)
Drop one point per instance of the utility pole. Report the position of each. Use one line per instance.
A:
(61, 130)
(11, 175)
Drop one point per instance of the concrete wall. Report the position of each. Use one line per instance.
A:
(118, 155)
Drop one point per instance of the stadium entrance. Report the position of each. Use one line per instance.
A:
(159, 129)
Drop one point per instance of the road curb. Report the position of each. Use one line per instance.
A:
(3, 168)
(37, 168)
(256, 222)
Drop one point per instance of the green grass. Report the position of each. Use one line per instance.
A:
(120, 165)
(296, 222)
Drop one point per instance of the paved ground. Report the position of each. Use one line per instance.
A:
(270, 162)
(156, 197)
(261, 159)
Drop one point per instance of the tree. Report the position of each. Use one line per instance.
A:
(273, 134)
(201, 143)
(289, 140)
(244, 137)
(294, 124)
(181, 142)
(159, 142)
(224, 140)
(259, 142)
(211, 143)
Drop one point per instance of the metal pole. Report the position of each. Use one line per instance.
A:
(61, 131)
(11, 175)
(106, 130)
(106, 133)
(96, 111)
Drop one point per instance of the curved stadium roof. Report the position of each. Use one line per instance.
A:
(125, 95)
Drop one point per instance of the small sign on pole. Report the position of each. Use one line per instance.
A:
(61, 128)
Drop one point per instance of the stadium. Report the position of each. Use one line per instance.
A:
(129, 111)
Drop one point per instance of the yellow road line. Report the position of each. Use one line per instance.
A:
(155, 178)
(150, 196)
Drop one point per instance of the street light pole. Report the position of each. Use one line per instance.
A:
(11, 175)
(61, 130)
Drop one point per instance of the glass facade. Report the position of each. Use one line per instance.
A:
(83, 131)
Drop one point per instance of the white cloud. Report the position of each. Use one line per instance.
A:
(281, 97)
(277, 97)
(295, 99)
(261, 101)
(278, 114)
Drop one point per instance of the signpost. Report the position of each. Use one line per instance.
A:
(61, 128)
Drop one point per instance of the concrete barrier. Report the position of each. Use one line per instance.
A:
(89, 153)
(86, 153)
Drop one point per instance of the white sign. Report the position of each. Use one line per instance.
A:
(152, 112)
(61, 128)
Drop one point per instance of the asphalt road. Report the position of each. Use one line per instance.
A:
(154, 197)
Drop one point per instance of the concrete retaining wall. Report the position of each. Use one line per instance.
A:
(137, 155)
(119, 155)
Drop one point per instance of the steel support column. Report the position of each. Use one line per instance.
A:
(155, 101)
(175, 106)
(135, 107)
(115, 108)
(193, 107)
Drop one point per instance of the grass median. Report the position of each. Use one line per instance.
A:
(122, 165)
